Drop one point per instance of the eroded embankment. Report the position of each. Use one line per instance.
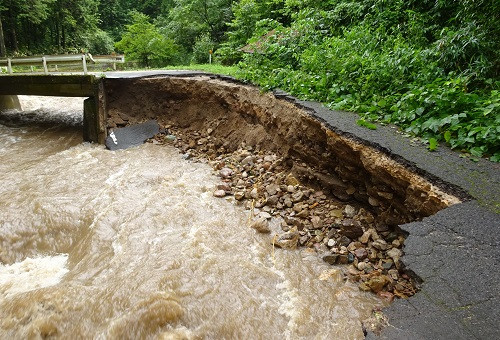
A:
(236, 113)
(222, 120)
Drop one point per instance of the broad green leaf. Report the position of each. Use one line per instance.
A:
(447, 136)
(382, 103)
(364, 123)
(476, 151)
(433, 144)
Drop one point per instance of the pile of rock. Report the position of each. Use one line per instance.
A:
(340, 233)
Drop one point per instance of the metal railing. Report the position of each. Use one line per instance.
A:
(109, 59)
(65, 59)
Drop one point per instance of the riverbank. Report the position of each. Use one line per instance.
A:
(338, 232)
(455, 251)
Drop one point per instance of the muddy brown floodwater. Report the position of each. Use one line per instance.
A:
(132, 244)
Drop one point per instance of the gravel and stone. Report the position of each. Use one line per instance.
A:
(340, 233)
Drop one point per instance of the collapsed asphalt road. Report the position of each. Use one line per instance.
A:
(455, 251)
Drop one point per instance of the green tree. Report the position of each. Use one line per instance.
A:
(143, 42)
(73, 21)
(190, 19)
(152, 8)
(114, 14)
(248, 12)
(250, 18)
(21, 16)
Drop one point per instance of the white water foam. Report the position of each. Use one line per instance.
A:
(31, 274)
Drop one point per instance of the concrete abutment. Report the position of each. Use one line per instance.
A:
(9, 103)
(94, 116)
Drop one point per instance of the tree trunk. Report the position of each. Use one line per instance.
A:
(37, 34)
(63, 37)
(29, 41)
(3, 52)
(13, 31)
(58, 35)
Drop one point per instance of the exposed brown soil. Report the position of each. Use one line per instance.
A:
(347, 169)
(349, 197)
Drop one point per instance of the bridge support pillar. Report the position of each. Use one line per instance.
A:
(9, 102)
(94, 116)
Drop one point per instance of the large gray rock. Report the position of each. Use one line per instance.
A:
(130, 136)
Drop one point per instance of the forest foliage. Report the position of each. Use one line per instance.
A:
(429, 66)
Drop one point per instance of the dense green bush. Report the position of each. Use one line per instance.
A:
(391, 63)
(228, 55)
(98, 42)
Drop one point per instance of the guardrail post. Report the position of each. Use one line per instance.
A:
(45, 69)
(9, 65)
(84, 64)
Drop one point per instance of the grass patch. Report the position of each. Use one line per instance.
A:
(212, 68)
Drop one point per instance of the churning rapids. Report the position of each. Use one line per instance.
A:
(132, 244)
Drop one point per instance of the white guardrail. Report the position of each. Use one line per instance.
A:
(65, 59)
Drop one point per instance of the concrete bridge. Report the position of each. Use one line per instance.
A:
(91, 86)
(74, 85)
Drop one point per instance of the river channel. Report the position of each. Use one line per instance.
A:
(132, 244)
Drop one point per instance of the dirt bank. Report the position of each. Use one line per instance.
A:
(346, 168)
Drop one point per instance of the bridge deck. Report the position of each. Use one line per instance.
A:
(50, 85)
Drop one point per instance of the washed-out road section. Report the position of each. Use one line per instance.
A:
(455, 252)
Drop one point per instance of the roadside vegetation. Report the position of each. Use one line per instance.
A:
(212, 68)
(430, 67)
